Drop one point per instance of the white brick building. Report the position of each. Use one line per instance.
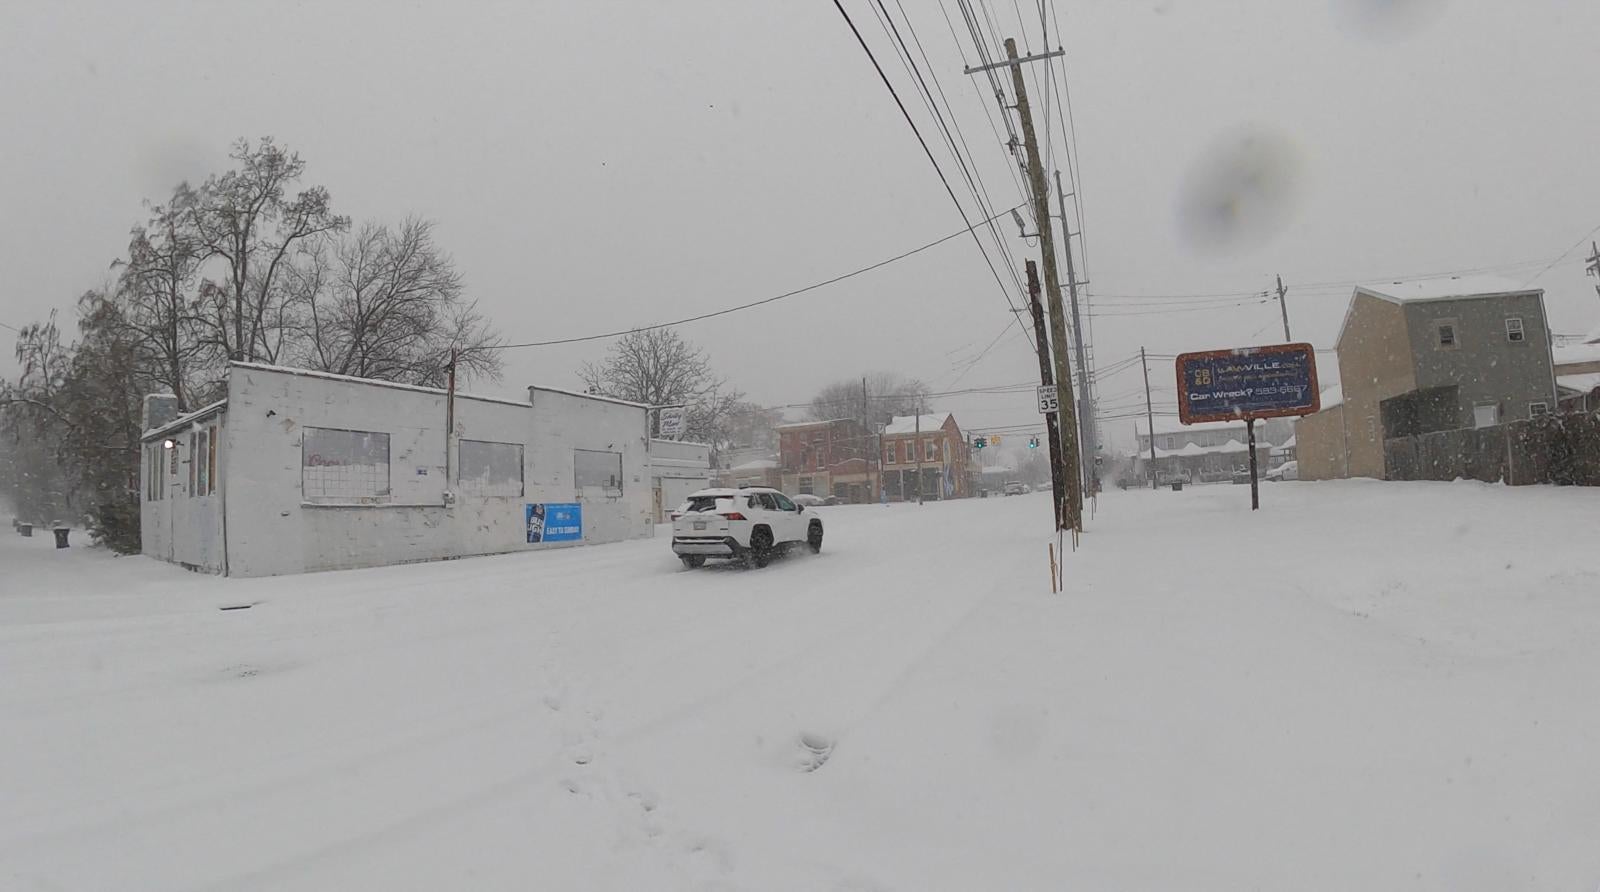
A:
(298, 471)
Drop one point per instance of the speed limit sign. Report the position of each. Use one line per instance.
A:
(1049, 404)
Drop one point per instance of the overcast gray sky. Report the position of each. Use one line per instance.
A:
(597, 164)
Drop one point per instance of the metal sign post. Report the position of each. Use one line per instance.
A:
(1245, 384)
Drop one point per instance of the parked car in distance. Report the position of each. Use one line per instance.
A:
(1241, 474)
(809, 500)
(1289, 470)
(749, 525)
(1167, 478)
(1016, 488)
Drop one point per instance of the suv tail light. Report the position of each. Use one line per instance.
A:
(733, 515)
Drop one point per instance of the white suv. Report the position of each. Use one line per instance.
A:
(743, 524)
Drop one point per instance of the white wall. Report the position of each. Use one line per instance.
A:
(273, 529)
(678, 469)
(184, 525)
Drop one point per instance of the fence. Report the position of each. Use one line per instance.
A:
(1562, 449)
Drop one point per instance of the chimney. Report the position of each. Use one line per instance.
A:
(159, 408)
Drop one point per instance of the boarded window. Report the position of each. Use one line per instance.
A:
(202, 459)
(1537, 409)
(211, 461)
(489, 469)
(344, 466)
(595, 468)
(1447, 335)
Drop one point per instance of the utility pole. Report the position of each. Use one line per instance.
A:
(1593, 267)
(1086, 435)
(1070, 456)
(917, 447)
(1149, 417)
(1052, 430)
(450, 426)
(866, 443)
(1284, 306)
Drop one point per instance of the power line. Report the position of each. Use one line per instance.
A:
(974, 180)
(1563, 256)
(883, 76)
(750, 305)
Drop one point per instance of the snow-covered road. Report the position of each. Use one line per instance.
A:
(1364, 685)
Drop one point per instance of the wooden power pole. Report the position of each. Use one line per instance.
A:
(1071, 458)
(1283, 305)
(1052, 429)
(1086, 434)
(1149, 417)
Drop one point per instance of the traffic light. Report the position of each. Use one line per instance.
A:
(979, 442)
(1033, 442)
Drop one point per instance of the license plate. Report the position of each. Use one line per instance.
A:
(699, 524)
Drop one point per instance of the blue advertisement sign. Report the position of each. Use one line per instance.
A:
(1250, 382)
(554, 522)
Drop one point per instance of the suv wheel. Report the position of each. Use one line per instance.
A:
(814, 538)
(693, 561)
(760, 549)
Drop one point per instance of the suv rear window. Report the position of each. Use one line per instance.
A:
(701, 504)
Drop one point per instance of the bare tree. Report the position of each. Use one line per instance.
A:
(246, 219)
(159, 301)
(657, 367)
(388, 303)
(886, 395)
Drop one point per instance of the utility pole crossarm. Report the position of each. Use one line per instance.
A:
(1013, 61)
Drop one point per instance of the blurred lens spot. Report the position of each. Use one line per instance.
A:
(1386, 19)
(1240, 191)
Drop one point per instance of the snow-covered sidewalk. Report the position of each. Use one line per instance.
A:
(1363, 686)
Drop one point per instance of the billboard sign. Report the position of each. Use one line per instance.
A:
(1248, 382)
(554, 522)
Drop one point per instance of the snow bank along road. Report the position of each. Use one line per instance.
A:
(1363, 686)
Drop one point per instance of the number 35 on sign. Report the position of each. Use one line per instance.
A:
(1048, 402)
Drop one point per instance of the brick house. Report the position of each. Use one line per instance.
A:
(944, 458)
(828, 458)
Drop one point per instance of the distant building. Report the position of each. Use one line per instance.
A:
(1211, 451)
(297, 471)
(1430, 355)
(944, 459)
(828, 458)
(1577, 368)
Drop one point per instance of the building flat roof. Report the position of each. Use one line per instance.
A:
(184, 420)
(908, 424)
(1446, 288)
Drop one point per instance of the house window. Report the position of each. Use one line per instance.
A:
(1514, 328)
(194, 461)
(211, 461)
(932, 451)
(344, 466)
(488, 470)
(1537, 409)
(1372, 428)
(200, 460)
(596, 468)
(805, 485)
(1446, 332)
(888, 455)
